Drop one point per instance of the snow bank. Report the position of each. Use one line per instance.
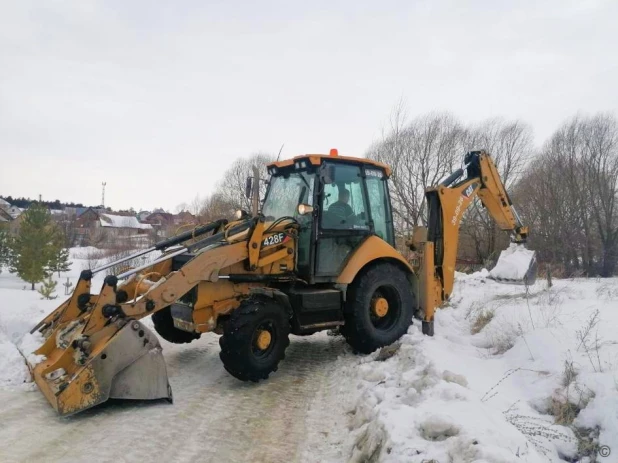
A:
(13, 369)
(492, 396)
(20, 310)
(513, 263)
(410, 410)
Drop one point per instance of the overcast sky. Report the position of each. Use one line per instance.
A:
(158, 98)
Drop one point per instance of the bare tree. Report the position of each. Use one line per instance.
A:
(567, 192)
(420, 153)
(184, 206)
(216, 207)
(195, 205)
(570, 194)
(600, 139)
(231, 189)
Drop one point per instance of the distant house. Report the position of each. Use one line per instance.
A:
(87, 218)
(75, 211)
(5, 216)
(142, 215)
(160, 219)
(15, 224)
(162, 223)
(4, 205)
(94, 228)
(15, 211)
(123, 222)
(184, 218)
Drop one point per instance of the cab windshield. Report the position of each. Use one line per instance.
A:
(285, 193)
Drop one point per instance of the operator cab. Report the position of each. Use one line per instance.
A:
(338, 202)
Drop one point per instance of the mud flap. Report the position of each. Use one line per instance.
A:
(129, 366)
(516, 265)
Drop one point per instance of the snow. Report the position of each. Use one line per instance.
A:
(488, 397)
(121, 221)
(13, 369)
(20, 310)
(29, 344)
(465, 397)
(513, 263)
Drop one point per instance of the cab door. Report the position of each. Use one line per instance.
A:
(380, 210)
(343, 219)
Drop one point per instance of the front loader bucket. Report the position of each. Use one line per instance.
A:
(124, 363)
(516, 265)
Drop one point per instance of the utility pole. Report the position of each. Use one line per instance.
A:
(103, 195)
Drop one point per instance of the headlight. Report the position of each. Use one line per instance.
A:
(304, 209)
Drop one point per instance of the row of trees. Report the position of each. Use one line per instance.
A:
(569, 195)
(38, 249)
(566, 191)
(426, 149)
(25, 203)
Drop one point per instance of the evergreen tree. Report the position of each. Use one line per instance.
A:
(60, 260)
(67, 287)
(47, 288)
(32, 250)
(5, 250)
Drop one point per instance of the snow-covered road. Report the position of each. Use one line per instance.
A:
(294, 416)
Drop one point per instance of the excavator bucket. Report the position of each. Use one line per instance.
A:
(124, 362)
(516, 265)
(93, 351)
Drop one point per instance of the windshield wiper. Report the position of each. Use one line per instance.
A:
(305, 180)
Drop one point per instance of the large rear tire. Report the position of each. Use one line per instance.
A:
(379, 308)
(254, 339)
(164, 326)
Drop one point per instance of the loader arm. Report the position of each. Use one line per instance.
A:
(447, 203)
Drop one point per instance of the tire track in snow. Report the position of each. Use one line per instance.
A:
(293, 416)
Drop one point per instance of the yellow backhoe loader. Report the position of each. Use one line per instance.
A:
(319, 254)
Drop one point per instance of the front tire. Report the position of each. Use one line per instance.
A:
(379, 308)
(164, 326)
(254, 339)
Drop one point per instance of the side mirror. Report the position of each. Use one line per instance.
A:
(305, 209)
(248, 187)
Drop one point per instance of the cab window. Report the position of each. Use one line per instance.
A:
(379, 204)
(343, 202)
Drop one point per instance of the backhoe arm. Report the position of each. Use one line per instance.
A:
(447, 203)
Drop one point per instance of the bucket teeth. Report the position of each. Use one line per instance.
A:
(126, 363)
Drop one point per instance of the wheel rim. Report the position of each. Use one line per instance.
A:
(264, 339)
(379, 306)
(385, 308)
